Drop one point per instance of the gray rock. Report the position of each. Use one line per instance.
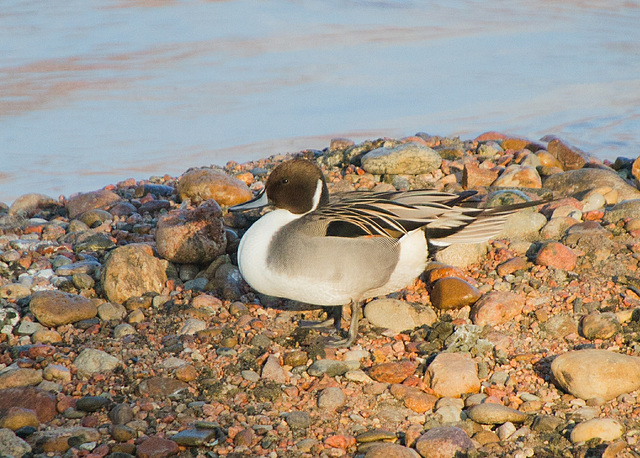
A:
(462, 254)
(559, 326)
(122, 330)
(626, 209)
(28, 328)
(111, 311)
(495, 414)
(11, 445)
(398, 315)
(191, 326)
(91, 361)
(88, 267)
(121, 414)
(332, 367)
(524, 225)
(161, 386)
(272, 370)
(331, 398)
(579, 182)
(408, 158)
(298, 420)
(194, 437)
(446, 440)
(92, 403)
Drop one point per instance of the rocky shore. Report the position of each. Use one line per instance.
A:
(127, 330)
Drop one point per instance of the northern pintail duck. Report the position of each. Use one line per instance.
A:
(345, 248)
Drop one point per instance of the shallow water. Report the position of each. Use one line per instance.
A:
(92, 93)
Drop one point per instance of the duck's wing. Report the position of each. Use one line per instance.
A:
(448, 218)
(388, 214)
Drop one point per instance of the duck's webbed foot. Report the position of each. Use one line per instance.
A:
(352, 332)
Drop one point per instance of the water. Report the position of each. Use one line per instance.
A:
(92, 93)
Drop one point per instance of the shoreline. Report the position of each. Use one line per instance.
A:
(126, 329)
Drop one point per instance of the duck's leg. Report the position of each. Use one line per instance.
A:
(334, 318)
(352, 332)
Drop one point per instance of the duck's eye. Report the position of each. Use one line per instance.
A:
(284, 181)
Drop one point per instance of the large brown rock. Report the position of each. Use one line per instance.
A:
(40, 401)
(55, 308)
(132, 270)
(80, 203)
(192, 236)
(204, 184)
(577, 183)
(595, 373)
(570, 157)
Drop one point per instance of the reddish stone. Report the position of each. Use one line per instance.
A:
(512, 265)
(394, 372)
(496, 307)
(81, 203)
(490, 136)
(474, 176)
(42, 402)
(441, 271)
(156, 447)
(570, 157)
(244, 437)
(340, 441)
(555, 254)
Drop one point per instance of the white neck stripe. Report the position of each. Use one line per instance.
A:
(317, 195)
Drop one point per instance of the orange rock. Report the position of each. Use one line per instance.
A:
(474, 176)
(555, 254)
(512, 265)
(489, 136)
(204, 184)
(393, 372)
(436, 271)
(340, 441)
(453, 293)
(496, 307)
(186, 373)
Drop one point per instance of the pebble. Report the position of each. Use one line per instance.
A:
(121, 414)
(55, 308)
(627, 209)
(298, 419)
(511, 266)
(332, 367)
(392, 372)
(496, 307)
(28, 328)
(600, 325)
(569, 373)
(122, 433)
(331, 398)
(555, 254)
(474, 176)
(495, 414)
(606, 429)
(443, 442)
(272, 370)
(15, 418)
(122, 330)
(203, 184)
(92, 403)
(398, 315)
(89, 267)
(462, 255)
(449, 414)
(560, 326)
(40, 401)
(519, 176)
(192, 236)
(571, 158)
(80, 203)
(132, 270)
(414, 398)
(91, 361)
(20, 377)
(505, 430)
(408, 158)
(57, 372)
(108, 311)
(191, 326)
(186, 373)
(244, 438)
(295, 358)
(390, 451)
(12, 445)
(453, 374)
(523, 226)
(14, 291)
(159, 387)
(156, 447)
(546, 423)
(194, 437)
(452, 293)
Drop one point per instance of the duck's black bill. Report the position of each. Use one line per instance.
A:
(257, 202)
